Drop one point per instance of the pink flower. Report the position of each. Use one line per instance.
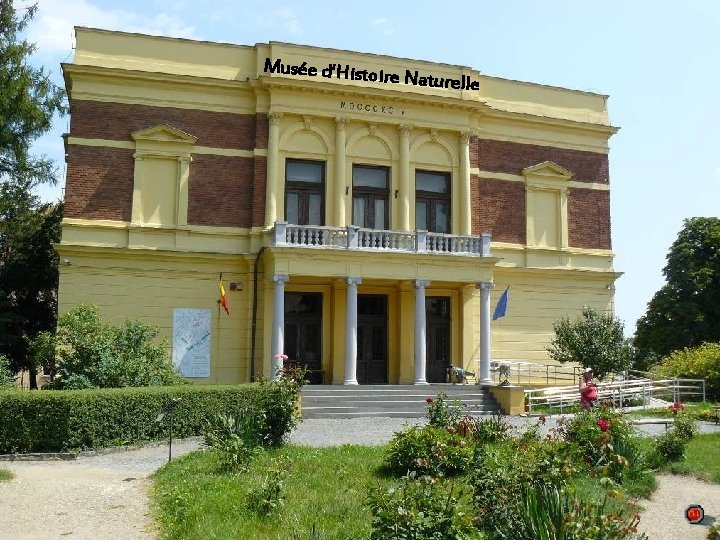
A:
(603, 424)
(677, 407)
(429, 400)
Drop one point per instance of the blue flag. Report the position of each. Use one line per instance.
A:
(501, 307)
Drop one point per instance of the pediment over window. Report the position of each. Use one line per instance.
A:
(548, 169)
(163, 133)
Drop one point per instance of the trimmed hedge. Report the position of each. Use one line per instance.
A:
(62, 420)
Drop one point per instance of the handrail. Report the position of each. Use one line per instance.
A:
(617, 391)
(529, 372)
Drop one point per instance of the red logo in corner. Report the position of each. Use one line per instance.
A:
(694, 514)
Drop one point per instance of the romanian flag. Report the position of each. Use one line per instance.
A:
(223, 297)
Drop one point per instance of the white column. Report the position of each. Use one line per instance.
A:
(339, 198)
(484, 367)
(464, 194)
(420, 331)
(273, 166)
(277, 343)
(404, 221)
(351, 331)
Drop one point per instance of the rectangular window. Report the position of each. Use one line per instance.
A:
(370, 197)
(305, 192)
(432, 201)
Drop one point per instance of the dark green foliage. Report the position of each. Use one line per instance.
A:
(422, 508)
(442, 412)
(96, 354)
(685, 312)
(428, 450)
(491, 430)
(671, 446)
(593, 340)
(50, 421)
(6, 378)
(28, 228)
(235, 437)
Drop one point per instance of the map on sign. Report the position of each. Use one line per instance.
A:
(191, 342)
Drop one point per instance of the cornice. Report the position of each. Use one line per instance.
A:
(527, 118)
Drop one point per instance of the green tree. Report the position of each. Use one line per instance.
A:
(28, 228)
(685, 312)
(91, 353)
(593, 340)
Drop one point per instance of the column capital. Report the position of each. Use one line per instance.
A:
(485, 285)
(274, 117)
(405, 129)
(280, 278)
(465, 136)
(341, 122)
(353, 281)
(421, 283)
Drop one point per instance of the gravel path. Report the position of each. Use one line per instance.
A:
(105, 497)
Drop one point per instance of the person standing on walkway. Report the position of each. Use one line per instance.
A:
(588, 389)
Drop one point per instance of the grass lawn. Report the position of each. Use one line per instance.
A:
(5, 475)
(702, 458)
(666, 412)
(325, 487)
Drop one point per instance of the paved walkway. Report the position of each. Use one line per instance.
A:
(105, 497)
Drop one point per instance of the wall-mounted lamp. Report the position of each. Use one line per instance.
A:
(396, 193)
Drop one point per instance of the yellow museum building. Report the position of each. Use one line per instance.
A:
(365, 212)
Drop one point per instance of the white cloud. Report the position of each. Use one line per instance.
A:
(381, 20)
(52, 30)
(290, 20)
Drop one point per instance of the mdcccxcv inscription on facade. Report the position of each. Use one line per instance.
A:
(371, 107)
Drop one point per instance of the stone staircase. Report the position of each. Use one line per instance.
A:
(399, 401)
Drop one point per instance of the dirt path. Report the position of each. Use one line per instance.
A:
(664, 514)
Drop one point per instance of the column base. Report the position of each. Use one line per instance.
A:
(421, 382)
(485, 382)
(350, 383)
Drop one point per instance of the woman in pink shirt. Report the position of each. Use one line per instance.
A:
(588, 389)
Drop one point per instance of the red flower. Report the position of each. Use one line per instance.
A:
(603, 424)
(542, 419)
(429, 400)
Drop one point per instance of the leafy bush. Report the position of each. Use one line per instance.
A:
(669, 447)
(443, 413)
(6, 379)
(501, 470)
(490, 430)
(268, 497)
(594, 340)
(422, 508)
(684, 425)
(51, 421)
(95, 354)
(549, 514)
(236, 437)
(586, 428)
(428, 450)
(701, 362)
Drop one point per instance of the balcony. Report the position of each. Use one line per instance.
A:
(355, 238)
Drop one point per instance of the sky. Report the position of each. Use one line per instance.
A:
(658, 60)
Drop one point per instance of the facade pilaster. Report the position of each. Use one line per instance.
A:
(272, 187)
(340, 198)
(404, 196)
(464, 184)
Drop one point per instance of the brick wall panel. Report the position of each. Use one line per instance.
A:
(116, 121)
(498, 208)
(99, 183)
(512, 158)
(221, 191)
(589, 219)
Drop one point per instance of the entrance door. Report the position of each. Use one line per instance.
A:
(303, 333)
(437, 335)
(372, 346)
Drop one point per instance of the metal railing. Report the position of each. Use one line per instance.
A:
(351, 237)
(529, 373)
(562, 397)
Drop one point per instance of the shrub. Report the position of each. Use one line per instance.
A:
(51, 421)
(501, 470)
(6, 379)
(685, 426)
(236, 437)
(95, 354)
(268, 497)
(428, 450)
(491, 430)
(669, 447)
(443, 413)
(549, 514)
(701, 362)
(422, 507)
(587, 427)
